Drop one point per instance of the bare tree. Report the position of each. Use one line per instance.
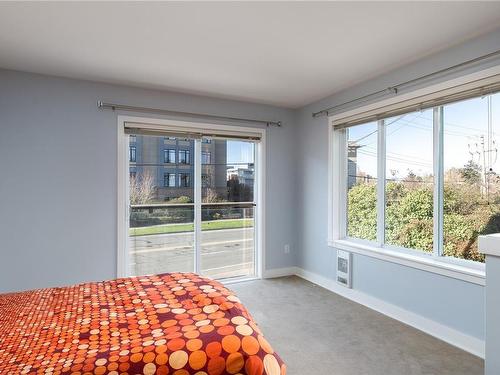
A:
(142, 188)
(211, 196)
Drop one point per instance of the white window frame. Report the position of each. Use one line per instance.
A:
(123, 187)
(473, 272)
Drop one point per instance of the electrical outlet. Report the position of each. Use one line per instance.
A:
(287, 249)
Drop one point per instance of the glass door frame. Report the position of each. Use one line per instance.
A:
(123, 187)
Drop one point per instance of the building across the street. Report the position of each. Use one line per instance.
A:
(169, 162)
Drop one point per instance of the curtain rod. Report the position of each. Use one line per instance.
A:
(130, 108)
(395, 89)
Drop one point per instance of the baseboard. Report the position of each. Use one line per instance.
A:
(453, 337)
(280, 272)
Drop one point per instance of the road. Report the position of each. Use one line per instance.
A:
(224, 253)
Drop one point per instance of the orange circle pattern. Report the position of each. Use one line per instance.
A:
(168, 324)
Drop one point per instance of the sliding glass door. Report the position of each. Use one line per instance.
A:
(227, 212)
(192, 205)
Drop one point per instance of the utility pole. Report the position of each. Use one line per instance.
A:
(484, 169)
(487, 151)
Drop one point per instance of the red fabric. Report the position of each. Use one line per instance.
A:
(177, 323)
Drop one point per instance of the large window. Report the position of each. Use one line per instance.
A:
(471, 174)
(442, 179)
(202, 217)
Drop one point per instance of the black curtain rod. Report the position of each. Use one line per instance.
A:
(122, 107)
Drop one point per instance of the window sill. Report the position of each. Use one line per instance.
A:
(426, 263)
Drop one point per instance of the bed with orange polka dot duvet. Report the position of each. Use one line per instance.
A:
(175, 323)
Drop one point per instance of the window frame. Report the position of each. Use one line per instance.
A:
(168, 125)
(435, 262)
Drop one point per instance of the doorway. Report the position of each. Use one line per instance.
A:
(193, 197)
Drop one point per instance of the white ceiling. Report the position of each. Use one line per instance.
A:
(282, 53)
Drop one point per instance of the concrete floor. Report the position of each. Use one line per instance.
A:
(317, 332)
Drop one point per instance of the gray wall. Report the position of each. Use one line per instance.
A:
(58, 176)
(452, 302)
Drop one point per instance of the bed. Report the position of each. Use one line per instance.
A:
(174, 323)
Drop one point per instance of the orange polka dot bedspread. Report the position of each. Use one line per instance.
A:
(176, 324)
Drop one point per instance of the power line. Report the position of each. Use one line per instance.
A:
(373, 132)
(398, 159)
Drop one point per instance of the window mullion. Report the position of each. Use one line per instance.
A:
(197, 205)
(342, 219)
(438, 171)
(381, 139)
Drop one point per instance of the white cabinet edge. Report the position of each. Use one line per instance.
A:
(490, 244)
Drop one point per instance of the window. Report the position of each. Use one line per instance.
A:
(441, 179)
(184, 157)
(169, 180)
(362, 181)
(206, 157)
(169, 156)
(409, 181)
(133, 138)
(184, 180)
(471, 196)
(206, 140)
(132, 154)
(170, 201)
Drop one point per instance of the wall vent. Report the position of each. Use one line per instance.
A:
(344, 260)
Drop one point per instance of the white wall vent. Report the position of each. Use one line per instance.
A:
(344, 260)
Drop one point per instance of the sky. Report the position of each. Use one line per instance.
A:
(240, 152)
(409, 139)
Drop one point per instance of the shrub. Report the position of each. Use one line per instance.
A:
(362, 211)
(181, 199)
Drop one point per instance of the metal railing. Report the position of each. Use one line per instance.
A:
(203, 204)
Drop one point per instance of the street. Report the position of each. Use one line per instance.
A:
(224, 253)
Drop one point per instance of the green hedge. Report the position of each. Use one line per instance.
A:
(409, 216)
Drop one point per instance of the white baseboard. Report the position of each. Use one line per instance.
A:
(280, 272)
(453, 337)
